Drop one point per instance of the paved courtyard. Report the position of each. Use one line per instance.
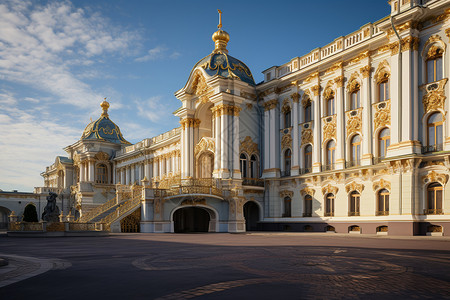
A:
(226, 266)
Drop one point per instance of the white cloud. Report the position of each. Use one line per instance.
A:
(40, 44)
(159, 52)
(152, 108)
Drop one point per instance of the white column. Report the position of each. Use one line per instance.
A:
(191, 149)
(155, 167)
(296, 146)
(224, 145)
(236, 171)
(340, 124)
(366, 118)
(317, 147)
(396, 108)
(132, 174)
(275, 138)
(218, 136)
(122, 174)
(82, 173)
(266, 139)
(91, 171)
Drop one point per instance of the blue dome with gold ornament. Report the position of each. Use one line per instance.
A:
(103, 129)
(220, 63)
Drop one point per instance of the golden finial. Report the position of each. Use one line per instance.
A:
(220, 19)
(220, 37)
(105, 105)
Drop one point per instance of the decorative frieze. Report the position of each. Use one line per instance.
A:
(434, 98)
(435, 177)
(330, 189)
(311, 77)
(329, 128)
(307, 191)
(381, 184)
(354, 121)
(382, 116)
(353, 186)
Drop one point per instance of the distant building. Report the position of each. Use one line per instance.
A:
(351, 137)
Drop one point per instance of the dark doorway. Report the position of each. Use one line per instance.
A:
(251, 215)
(191, 219)
(131, 223)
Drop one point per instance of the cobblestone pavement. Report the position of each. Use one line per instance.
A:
(229, 266)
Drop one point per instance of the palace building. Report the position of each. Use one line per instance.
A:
(351, 137)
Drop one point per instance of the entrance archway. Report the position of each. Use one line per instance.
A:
(191, 219)
(251, 215)
(4, 213)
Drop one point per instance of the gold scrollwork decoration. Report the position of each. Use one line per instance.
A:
(248, 146)
(353, 186)
(330, 189)
(307, 191)
(329, 128)
(307, 136)
(435, 177)
(286, 193)
(354, 121)
(381, 184)
(269, 105)
(382, 116)
(434, 99)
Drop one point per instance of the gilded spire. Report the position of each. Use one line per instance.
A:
(220, 37)
(104, 105)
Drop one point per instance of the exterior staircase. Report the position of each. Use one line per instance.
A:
(127, 199)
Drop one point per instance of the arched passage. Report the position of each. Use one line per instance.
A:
(251, 215)
(191, 219)
(4, 213)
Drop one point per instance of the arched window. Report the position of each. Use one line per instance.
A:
(435, 136)
(287, 162)
(383, 90)
(329, 205)
(243, 165)
(102, 174)
(308, 159)
(384, 140)
(353, 209)
(434, 64)
(308, 112)
(287, 118)
(287, 207)
(331, 149)
(308, 206)
(355, 99)
(383, 203)
(434, 199)
(253, 166)
(330, 106)
(356, 150)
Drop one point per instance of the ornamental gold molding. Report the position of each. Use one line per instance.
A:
(248, 146)
(225, 109)
(266, 92)
(443, 17)
(76, 159)
(383, 72)
(307, 191)
(360, 57)
(365, 71)
(402, 27)
(410, 43)
(382, 116)
(269, 105)
(295, 97)
(339, 81)
(307, 136)
(286, 106)
(102, 156)
(394, 48)
(306, 98)
(190, 122)
(434, 99)
(434, 39)
(328, 92)
(280, 90)
(353, 186)
(286, 141)
(316, 90)
(201, 89)
(435, 177)
(329, 128)
(353, 83)
(381, 184)
(334, 67)
(285, 193)
(354, 121)
(311, 77)
(248, 95)
(330, 189)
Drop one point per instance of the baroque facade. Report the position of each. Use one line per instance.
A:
(351, 137)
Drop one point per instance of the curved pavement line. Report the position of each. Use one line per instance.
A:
(45, 265)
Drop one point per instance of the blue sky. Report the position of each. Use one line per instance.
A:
(59, 59)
